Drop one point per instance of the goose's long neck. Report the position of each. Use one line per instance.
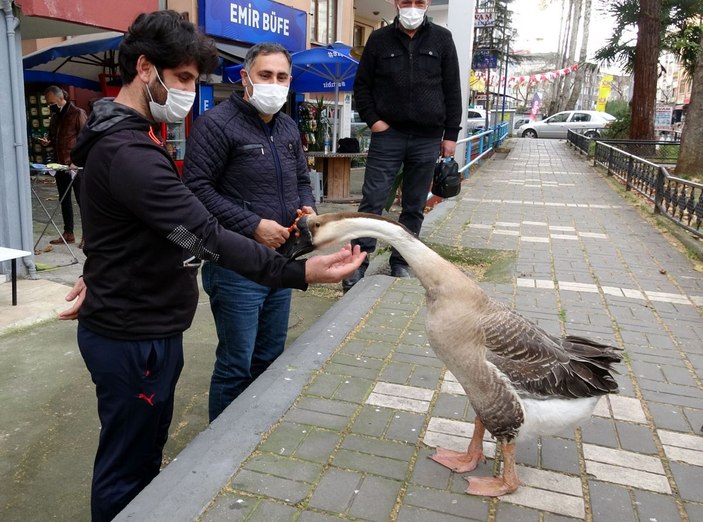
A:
(428, 266)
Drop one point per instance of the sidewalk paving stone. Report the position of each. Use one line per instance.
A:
(654, 506)
(610, 503)
(356, 442)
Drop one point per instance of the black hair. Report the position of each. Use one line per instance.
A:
(265, 49)
(168, 41)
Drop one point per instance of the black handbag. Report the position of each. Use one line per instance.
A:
(446, 182)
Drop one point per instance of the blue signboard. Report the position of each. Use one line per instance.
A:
(255, 21)
(206, 98)
(484, 59)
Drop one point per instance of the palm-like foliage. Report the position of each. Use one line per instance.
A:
(680, 31)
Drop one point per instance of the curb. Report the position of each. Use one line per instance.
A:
(185, 488)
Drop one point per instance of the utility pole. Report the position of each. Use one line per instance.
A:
(505, 61)
(484, 54)
(461, 24)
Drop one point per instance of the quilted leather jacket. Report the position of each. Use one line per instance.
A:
(244, 170)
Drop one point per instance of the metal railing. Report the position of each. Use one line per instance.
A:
(678, 199)
(481, 145)
(659, 152)
(581, 142)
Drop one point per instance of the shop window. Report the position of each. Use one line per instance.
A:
(358, 35)
(323, 28)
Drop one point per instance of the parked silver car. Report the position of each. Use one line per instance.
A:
(589, 123)
(519, 121)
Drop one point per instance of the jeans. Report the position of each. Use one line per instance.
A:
(63, 180)
(135, 383)
(252, 325)
(387, 152)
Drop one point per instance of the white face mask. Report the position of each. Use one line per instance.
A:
(411, 17)
(177, 106)
(268, 98)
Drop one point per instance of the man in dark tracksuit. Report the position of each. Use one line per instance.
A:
(144, 233)
(407, 89)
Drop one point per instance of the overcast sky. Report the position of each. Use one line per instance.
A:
(538, 21)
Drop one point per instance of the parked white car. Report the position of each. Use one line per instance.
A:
(589, 123)
(475, 119)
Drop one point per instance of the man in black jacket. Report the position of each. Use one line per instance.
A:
(245, 162)
(145, 232)
(408, 91)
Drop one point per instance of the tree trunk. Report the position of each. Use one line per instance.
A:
(561, 60)
(691, 154)
(644, 91)
(583, 55)
(576, 15)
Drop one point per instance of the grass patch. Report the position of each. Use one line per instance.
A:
(496, 266)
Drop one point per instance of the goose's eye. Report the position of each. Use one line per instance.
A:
(317, 225)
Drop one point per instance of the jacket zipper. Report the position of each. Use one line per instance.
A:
(279, 171)
(412, 68)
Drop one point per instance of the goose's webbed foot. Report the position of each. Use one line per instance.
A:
(490, 486)
(497, 486)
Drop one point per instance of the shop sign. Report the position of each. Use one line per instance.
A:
(255, 21)
(206, 98)
(484, 59)
(484, 19)
(663, 117)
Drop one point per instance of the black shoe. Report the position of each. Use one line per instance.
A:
(354, 278)
(400, 271)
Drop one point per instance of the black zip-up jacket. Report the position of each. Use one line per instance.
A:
(243, 169)
(412, 84)
(142, 226)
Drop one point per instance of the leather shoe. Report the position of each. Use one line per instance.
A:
(67, 236)
(354, 278)
(400, 271)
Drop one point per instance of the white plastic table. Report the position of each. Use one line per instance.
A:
(12, 255)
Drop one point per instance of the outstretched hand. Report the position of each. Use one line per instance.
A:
(332, 268)
(77, 295)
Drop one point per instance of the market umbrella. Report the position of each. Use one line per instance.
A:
(332, 66)
(320, 69)
(78, 61)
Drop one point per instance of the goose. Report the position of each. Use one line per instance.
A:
(521, 381)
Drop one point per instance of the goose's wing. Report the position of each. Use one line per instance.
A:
(544, 365)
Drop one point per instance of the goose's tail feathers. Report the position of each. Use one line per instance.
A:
(593, 362)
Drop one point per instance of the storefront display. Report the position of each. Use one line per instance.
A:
(174, 136)
(314, 125)
(38, 119)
